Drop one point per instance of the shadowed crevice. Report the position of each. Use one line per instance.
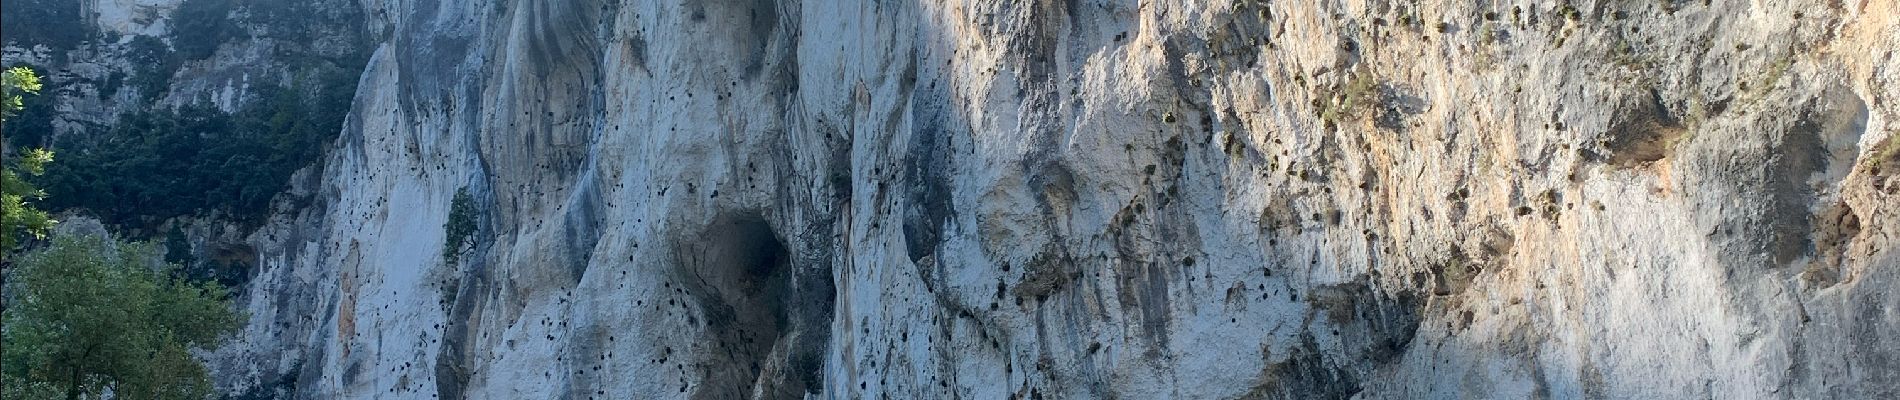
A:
(765, 320)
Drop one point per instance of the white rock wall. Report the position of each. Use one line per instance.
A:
(1082, 199)
(132, 17)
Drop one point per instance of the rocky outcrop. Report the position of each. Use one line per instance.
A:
(1087, 199)
(101, 59)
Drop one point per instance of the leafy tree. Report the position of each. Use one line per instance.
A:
(31, 124)
(17, 81)
(17, 215)
(460, 228)
(90, 313)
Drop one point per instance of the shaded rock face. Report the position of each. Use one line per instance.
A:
(1098, 199)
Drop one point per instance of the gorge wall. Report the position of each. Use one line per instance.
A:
(1097, 199)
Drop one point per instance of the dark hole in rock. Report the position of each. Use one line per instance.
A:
(767, 318)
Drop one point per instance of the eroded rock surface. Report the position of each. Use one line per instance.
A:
(1099, 199)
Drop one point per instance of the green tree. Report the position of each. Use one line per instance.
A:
(91, 313)
(17, 82)
(459, 231)
(31, 126)
(17, 214)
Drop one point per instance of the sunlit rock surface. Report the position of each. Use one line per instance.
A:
(1098, 199)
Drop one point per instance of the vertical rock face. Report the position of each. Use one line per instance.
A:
(1099, 199)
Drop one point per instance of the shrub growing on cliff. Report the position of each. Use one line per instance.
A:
(1885, 154)
(460, 228)
(1360, 90)
(88, 313)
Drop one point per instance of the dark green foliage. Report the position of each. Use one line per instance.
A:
(177, 247)
(201, 26)
(87, 313)
(153, 66)
(160, 164)
(150, 163)
(54, 23)
(113, 83)
(460, 228)
(28, 126)
(300, 21)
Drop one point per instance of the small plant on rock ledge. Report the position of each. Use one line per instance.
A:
(1359, 91)
(1884, 155)
(459, 231)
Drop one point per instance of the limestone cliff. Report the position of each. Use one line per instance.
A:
(991, 199)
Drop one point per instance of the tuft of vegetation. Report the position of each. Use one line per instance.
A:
(89, 314)
(1774, 71)
(1570, 17)
(1884, 154)
(1358, 92)
(1624, 54)
(459, 231)
(1484, 58)
(1570, 12)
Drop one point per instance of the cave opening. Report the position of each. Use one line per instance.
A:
(766, 317)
